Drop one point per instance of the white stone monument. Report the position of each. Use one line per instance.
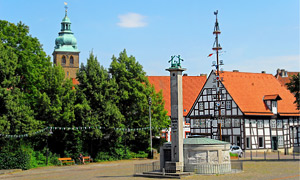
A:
(176, 115)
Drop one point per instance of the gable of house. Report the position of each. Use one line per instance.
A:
(207, 104)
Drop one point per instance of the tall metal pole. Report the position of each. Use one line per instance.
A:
(150, 103)
(216, 48)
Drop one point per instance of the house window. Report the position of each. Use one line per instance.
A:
(208, 123)
(214, 97)
(228, 104)
(196, 123)
(273, 123)
(187, 120)
(206, 105)
(279, 124)
(248, 143)
(280, 140)
(222, 104)
(227, 123)
(208, 91)
(269, 104)
(202, 123)
(260, 124)
(71, 60)
(236, 123)
(222, 122)
(209, 98)
(261, 142)
(274, 107)
(63, 60)
(201, 105)
(222, 112)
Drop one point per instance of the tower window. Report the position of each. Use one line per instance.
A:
(71, 60)
(67, 73)
(63, 60)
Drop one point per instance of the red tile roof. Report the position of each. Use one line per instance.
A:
(249, 89)
(284, 80)
(272, 97)
(191, 86)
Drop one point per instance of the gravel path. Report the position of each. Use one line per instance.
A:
(123, 170)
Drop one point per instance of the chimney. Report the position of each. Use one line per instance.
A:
(235, 70)
(278, 72)
(283, 73)
(185, 74)
(264, 72)
(203, 75)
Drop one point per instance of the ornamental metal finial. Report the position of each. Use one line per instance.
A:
(66, 7)
(174, 63)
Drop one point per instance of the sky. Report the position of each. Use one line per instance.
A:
(256, 35)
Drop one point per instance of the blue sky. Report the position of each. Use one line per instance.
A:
(256, 35)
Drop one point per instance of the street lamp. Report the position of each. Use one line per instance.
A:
(150, 103)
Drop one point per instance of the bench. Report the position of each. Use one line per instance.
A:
(66, 161)
(87, 159)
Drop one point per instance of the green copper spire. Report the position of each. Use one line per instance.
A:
(66, 41)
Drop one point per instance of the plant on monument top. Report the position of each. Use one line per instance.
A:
(134, 90)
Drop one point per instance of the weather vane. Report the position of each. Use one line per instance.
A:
(66, 7)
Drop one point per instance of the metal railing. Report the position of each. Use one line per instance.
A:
(149, 167)
(270, 155)
(233, 167)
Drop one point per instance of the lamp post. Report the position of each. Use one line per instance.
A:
(150, 103)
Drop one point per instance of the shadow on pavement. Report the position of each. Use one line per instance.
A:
(113, 176)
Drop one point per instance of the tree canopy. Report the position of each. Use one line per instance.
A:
(34, 95)
(294, 87)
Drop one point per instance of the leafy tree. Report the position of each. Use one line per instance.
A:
(33, 92)
(134, 90)
(294, 87)
(97, 98)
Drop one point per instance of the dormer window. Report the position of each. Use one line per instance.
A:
(271, 102)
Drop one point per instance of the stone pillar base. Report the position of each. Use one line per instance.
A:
(173, 167)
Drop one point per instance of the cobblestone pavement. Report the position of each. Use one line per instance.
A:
(123, 170)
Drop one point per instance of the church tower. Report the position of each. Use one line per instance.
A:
(65, 52)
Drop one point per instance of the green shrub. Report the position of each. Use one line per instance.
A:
(17, 160)
(141, 154)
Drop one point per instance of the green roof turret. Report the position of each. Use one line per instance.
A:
(66, 41)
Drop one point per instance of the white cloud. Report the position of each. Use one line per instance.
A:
(132, 20)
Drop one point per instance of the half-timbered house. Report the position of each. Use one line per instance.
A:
(252, 110)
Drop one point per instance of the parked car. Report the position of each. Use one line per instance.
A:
(236, 150)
